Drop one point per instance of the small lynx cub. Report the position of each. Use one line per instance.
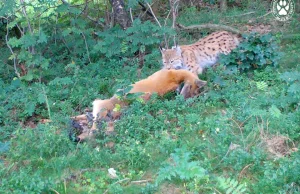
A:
(202, 54)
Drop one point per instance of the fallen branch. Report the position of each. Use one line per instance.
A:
(210, 26)
(251, 12)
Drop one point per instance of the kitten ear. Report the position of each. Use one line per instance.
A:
(200, 83)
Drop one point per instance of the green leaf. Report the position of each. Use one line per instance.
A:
(274, 111)
(261, 85)
(42, 37)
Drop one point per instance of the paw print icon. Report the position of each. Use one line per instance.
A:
(283, 7)
(283, 10)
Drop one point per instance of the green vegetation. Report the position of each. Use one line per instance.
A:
(240, 136)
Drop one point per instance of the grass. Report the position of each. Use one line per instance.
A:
(224, 130)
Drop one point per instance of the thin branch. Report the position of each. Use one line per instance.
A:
(244, 169)
(86, 46)
(25, 14)
(241, 131)
(153, 14)
(167, 17)
(22, 32)
(210, 26)
(32, 51)
(131, 17)
(141, 181)
(174, 8)
(96, 21)
(47, 103)
(12, 52)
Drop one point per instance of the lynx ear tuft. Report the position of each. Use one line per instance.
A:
(161, 49)
(200, 83)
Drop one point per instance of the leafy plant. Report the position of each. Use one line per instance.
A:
(254, 52)
(181, 167)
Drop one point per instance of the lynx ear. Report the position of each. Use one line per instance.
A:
(200, 83)
(177, 48)
(161, 49)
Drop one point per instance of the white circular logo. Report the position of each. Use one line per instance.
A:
(283, 10)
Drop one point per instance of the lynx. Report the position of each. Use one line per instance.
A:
(204, 53)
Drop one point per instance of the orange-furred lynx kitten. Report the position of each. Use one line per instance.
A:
(202, 54)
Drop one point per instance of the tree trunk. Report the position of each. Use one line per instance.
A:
(121, 16)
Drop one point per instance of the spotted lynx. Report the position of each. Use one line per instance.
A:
(202, 54)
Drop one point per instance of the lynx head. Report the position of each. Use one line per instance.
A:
(171, 58)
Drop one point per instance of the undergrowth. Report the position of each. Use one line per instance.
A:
(219, 142)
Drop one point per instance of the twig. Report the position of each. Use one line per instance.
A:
(174, 7)
(25, 14)
(131, 17)
(241, 131)
(141, 181)
(96, 21)
(210, 26)
(174, 11)
(12, 52)
(246, 167)
(20, 29)
(32, 51)
(167, 17)
(153, 14)
(86, 46)
(145, 9)
(47, 103)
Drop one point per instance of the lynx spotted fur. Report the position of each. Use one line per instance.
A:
(202, 54)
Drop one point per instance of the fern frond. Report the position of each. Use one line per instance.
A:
(231, 186)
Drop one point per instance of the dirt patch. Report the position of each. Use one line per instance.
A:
(258, 28)
(171, 189)
(278, 145)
